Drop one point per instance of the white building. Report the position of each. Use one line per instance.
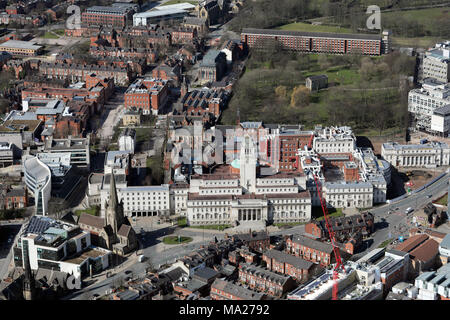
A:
(436, 63)
(145, 201)
(127, 140)
(155, 16)
(77, 147)
(335, 140)
(244, 198)
(440, 121)
(38, 180)
(117, 162)
(434, 285)
(424, 101)
(348, 194)
(59, 246)
(416, 155)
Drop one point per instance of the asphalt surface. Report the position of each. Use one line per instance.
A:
(158, 253)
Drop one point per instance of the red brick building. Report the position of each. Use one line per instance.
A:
(319, 42)
(101, 15)
(310, 250)
(149, 55)
(289, 143)
(423, 252)
(204, 101)
(281, 262)
(148, 95)
(78, 72)
(183, 35)
(225, 290)
(257, 241)
(343, 227)
(351, 172)
(169, 73)
(263, 280)
(16, 199)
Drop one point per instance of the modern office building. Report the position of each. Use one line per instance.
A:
(436, 63)
(423, 102)
(59, 246)
(160, 14)
(20, 48)
(38, 180)
(64, 179)
(440, 121)
(77, 147)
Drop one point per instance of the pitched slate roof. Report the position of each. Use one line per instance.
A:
(124, 230)
(236, 290)
(426, 251)
(314, 244)
(412, 243)
(263, 273)
(283, 257)
(91, 220)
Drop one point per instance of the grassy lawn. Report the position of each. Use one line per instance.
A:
(425, 17)
(59, 32)
(92, 211)
(50, 35)
(443, 200)
(182, 222)
(422, 42)
(376, 133)
(332, 213)
(213, 227)
(143, 134)
(180, 1)
(384, 244)
(301, 26)
(338, 75)
(289, 224)
(176, 240)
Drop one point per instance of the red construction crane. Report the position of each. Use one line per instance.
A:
(337, 255)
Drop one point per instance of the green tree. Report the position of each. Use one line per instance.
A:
(300, 96)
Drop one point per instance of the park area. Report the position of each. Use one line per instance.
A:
(367, 93)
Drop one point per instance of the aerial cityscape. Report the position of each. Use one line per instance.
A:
(224, 150)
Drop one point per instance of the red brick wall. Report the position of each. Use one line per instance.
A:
(313, 229)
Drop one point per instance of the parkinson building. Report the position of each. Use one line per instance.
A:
(240, 194)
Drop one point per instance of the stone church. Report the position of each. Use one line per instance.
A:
(114, 231)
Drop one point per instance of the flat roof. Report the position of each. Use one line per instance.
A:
(443, 111)
(105, 9)
(183, 6)
(158, 13)
(18, 44)
(311, 34)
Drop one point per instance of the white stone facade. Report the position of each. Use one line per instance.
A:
(416, 155)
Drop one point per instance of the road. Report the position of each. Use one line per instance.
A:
(110, 118)
(387, 222)
(9, 231)
(159, 253)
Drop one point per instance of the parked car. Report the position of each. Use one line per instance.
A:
(409, 210)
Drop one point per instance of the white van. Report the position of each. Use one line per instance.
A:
(141, 258)
(409, 210)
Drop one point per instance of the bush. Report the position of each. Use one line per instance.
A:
(11, 214)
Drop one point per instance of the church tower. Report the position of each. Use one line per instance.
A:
(114, 209)
(248, 165)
